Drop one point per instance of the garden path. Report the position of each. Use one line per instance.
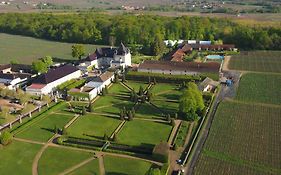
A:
(174, 132)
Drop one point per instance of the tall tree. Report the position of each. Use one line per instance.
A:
(191, 102)
(78, 51)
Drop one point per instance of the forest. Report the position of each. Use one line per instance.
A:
(138, 30)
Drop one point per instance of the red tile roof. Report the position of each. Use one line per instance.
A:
(37, 86)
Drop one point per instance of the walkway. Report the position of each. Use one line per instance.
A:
(116, 131)
(29, 141)
(174, 132)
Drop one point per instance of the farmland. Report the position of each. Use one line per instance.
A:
(250, 137)
(26, 49)
(258, 61)
(260, 88)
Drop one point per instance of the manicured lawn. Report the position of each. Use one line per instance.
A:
(56, 160)
(145, 133)
(118, 166)
(167, 107)
(146, 110)
(160, 88)
(136, 85)
(109, 100)
(91, 126)
(17, 158)
(261, 88)
(115, 108)
(29, 49)
(42, 130)
(91, 168)
(117, 88)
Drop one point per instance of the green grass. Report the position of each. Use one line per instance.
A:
(56, 160)
(261, 88)
(167, 107)
(109, 101)
(136, 85)
(247, 132)
(17, 158)
(122, 166)
(144, 133)
(260, 61)
(93, 126)
(26, 49)
(42, 130)
(181, 135)
(118, 89)
(161, 88)
(91, 168)
(146, 110)
(115, 108)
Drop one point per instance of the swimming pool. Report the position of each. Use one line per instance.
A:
(215, 57)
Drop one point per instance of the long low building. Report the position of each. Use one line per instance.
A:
(178, 68)
(95, 85)
(46, 83)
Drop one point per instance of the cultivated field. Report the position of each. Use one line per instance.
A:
(260, 88)
(259, 61)
(246, 135)
(26, 49)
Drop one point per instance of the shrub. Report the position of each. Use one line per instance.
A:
(6, 138)
(105, 137)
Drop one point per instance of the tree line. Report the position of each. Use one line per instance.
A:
(144, 30)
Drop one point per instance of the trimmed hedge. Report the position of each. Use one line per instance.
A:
(166, 78)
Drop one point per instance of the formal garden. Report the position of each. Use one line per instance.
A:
(139, 120)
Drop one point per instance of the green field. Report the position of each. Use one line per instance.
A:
(122, 166)
(144, 133)
(136, 85)
(214, 166)
(259, 61)
(245, 134)
(43, 129)
(91, 168)
(146, 110)
(17, 158)
(93, 126)
(118, 89)
(56, 160)
(261, 88)
(26, 49)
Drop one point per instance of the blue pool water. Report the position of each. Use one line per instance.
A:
(215, 57)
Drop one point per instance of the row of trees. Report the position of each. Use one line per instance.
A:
(42, 65)
(146, 30)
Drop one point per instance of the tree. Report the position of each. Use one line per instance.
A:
(90, 107)
(39, 66)
(149, 95)
(191, 102)
(105, 137)
(168, 118)
(130, 115)
(141, 91)
(106, 89)
(46, 99)
(123, 78)
(154, 80)
(5, 111)
(83, 110)
(122, 115)
(78, 51)
(6, 138)
(56, 129)
(149, 80)
(157, 46)
(173, 123)
(48, 60)
(154, 171)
